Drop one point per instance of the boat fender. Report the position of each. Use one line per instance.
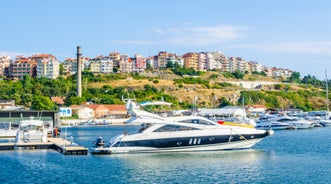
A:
(220, 122)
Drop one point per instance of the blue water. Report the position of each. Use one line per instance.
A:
(290, 156)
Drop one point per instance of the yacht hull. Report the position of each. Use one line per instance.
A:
(184, 144)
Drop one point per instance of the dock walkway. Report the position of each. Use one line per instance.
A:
(59, 144)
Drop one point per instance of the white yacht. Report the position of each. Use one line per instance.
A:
(31, 131)
(283, 122)
(178, 134)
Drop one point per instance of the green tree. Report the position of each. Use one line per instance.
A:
(42, 103)
(170, 64)
(224, 102)
(238, 74)
(27, 82)
(295, 77)
(61, 68)
(74, 100)
(149, 66)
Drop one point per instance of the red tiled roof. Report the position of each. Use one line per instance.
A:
(73, 107)
(116, 107)
(58, 99)
(94, 106)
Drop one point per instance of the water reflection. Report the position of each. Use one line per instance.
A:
(243, 165)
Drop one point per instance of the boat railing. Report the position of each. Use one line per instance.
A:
(115, 139)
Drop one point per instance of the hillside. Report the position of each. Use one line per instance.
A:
(203, 89)
(273, 93)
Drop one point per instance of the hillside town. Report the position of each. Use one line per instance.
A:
(47, 65)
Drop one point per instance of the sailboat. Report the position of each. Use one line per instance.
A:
(326, 121)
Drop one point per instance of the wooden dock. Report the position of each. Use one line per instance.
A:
(59, 144)
(68, 148)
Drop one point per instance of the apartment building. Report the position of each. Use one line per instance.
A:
(126, 65)
(221, 62)
(48, 66)
(116, 57)
(70, 66)
(255, 67)
(173, 58)
(202, 61)
(211, 63)
(237, 63)
(22, 66)
(101, 64)
(243, 65)
(4, 65)
(151, 61)
(139, 63)
(191, 60)
(162, 59)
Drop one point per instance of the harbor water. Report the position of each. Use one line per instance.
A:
(288, 156)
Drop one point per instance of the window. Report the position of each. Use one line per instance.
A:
(173, 128)
(197, 121)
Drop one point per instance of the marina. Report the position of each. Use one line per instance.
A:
(289, 156)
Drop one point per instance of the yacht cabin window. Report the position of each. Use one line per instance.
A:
(173, 128)
(196, 121)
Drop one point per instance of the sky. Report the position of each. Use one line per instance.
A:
(292, 34)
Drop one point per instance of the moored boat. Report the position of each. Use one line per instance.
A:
(178, 134)
(31, 131)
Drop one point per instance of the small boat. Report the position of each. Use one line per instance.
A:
(302, 123)
(273, 122)
(283, 122)
(9, 131)
(31, 131)
(325, 122)
(178, 134)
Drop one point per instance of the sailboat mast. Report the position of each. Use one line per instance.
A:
(327, 93)
(243, 106)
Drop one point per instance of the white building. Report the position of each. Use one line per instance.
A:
(48, 67)
(211, 63)
(221, 62)
(85, 113)
(101, 65)
(202, 62)
(4, 63)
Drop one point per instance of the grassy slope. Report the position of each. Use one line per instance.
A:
(205, 95)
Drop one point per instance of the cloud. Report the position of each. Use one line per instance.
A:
(135, 42)
(200, 36)
(191, 35)
(308, 47)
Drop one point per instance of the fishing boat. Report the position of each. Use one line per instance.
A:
(31, 131)
(177, 134)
